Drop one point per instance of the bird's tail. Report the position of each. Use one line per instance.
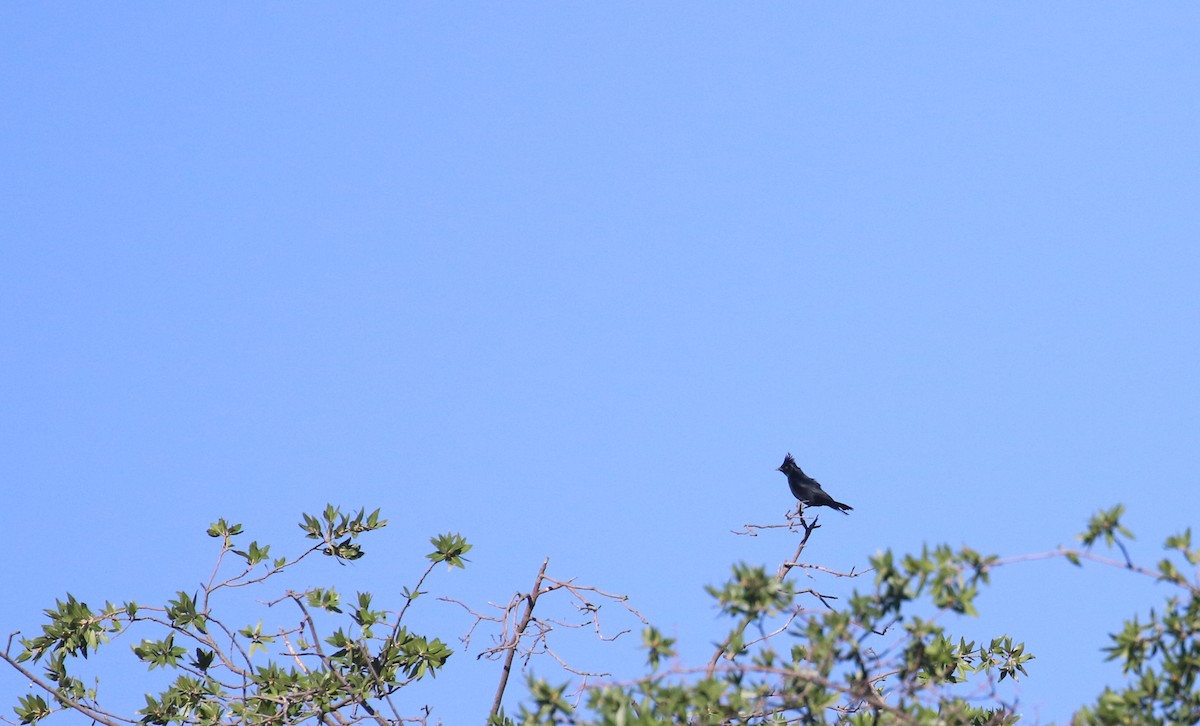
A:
(843, 508)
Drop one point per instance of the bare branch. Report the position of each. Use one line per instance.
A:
(531, 601)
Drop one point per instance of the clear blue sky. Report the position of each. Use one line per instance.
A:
(571, 279)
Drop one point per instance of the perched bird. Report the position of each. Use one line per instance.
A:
(807, 489)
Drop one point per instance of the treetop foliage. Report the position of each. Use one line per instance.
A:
(885, 654)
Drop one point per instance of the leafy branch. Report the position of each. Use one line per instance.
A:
(251, 674)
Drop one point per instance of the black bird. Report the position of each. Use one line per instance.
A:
(807, 489)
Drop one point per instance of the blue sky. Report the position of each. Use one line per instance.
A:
(571, 279)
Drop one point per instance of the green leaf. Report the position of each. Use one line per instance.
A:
(449, 548)
(32, 709)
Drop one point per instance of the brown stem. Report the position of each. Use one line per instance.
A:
(530, 601)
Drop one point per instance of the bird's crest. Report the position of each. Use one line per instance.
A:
(788, 462)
